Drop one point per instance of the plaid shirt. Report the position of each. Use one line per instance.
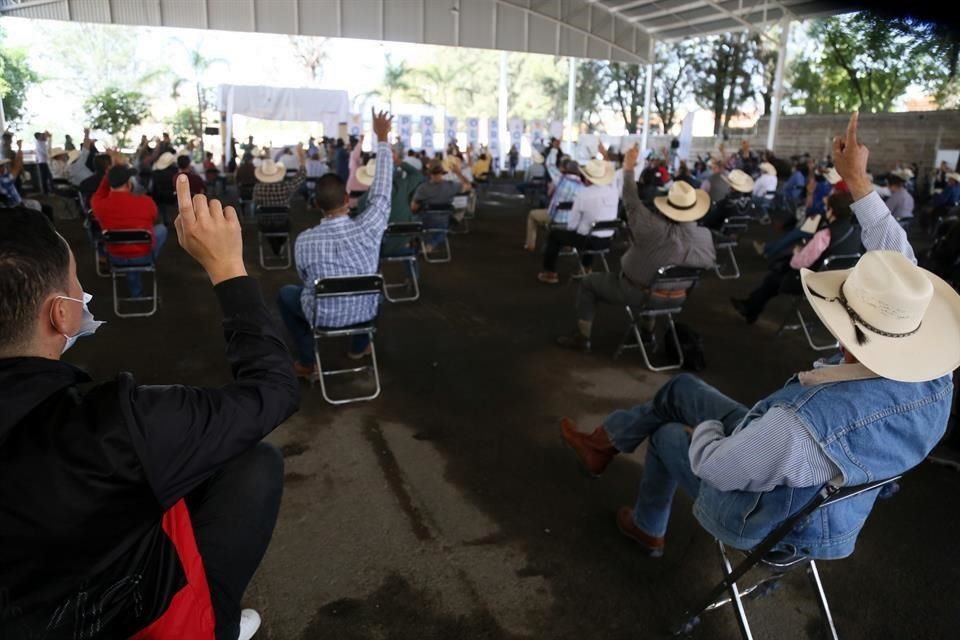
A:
(9, 196)
(278, 194)
(568, 188)
(345, 246)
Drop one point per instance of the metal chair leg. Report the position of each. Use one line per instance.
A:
(822, 600)
(741, 614)
(733, 262)
(414, 282)
(447, 254)
(806, 332)
(285, 250)
(322, 375)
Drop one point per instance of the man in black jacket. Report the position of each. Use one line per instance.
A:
(129, 510)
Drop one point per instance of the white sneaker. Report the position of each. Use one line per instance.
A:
(249, 624)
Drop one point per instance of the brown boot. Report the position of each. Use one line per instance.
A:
(651, 545)
(594, 450)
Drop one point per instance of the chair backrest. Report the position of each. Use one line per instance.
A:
(839, 262)
(127, 236)
(673, 277)
(438, 208)
(338, 286)
(565, 206)
(273, 210)
(357, 194)
(837, 493)
(606, 225)
(403, 228)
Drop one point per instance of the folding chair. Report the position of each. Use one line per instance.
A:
(602, 225)
(435, 228)
(561, 206)
(96, 239)
(726, 243)
(343, 286)
(831, 263)
(461, 203)
(128, 237)
(778, 559)
(269, 219)
(668, 293)
(735, 225)
(245, 192)
(400, 231)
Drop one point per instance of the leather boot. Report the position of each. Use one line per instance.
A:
(651, 545)
(594, 450)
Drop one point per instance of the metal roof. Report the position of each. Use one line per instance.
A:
(619, 30)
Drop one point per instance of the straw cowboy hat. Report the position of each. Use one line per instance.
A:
(739, 181)
(73, 155)
(449, 162)
(165, 160)
(270, 171)
(953, 176)
(900, 321)
(598, 172)
(56, 152)
(536, 157)
(768, 169)
(904, 174)
(366, 173)
(832, 176)
(683, 203)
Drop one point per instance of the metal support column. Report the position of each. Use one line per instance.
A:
(776, 106)
(647, 95)
(502, 112)
(572, 96)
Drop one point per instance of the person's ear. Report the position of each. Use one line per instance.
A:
(62, 316)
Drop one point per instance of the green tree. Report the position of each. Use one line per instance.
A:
(625, 92)
(199, 66)
(312, 53)
(673, 73)
(116, 111)
(591, 86)
(16, 76)
(722, 79)
(184, 125)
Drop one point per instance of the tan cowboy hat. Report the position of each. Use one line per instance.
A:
(898, 320)
(739, 181)
(598, 172)
(905, 174)
(56, 152)
(165, 160)
(73, 155)
(366, 173)
(767, 168)
(536, 157)
(832, 176)
(683, 203)
(449, 162)
(270, 171)
(953, 176)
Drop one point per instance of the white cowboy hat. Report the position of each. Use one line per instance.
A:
(898, 320)
(904, 174)
(73, 155)
(165, 160)
(832, 176)
(767, 168)
(57, 151)
(953, 176)
(739, 181)
(683, 203)
(536, 157)
(366, 172)
(449, 162)
(270, 171)
(598, 172)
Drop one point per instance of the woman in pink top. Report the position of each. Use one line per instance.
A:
(356, 162)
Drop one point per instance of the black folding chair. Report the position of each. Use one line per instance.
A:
(601, 225)
(561, 206)
(399, 232)
(338, 287)
(132, 237)
(273, 224)
(726, 243)
(433, 227)
(831, 263)
(668, 293)
(777, 558)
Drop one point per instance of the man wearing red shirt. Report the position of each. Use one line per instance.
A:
(116, 207)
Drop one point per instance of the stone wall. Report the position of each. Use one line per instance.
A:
(892, 137)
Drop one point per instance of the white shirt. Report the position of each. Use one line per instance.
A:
(316, 168)
(764, 185)
(42, 149)
(594, 204)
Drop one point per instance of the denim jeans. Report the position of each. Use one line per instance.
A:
(785, 242)
(291, 310)
(435, 221)
(134, 281)
(684, 401)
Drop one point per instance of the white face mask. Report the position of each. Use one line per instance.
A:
(88, 326)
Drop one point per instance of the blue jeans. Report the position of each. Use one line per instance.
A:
(790, 238)
(435, 221)
(291, 310)
(134, 281)
(684, 401)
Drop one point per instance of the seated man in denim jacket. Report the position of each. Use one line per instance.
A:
(875, 415)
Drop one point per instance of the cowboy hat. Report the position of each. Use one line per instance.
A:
(165, 160)
(832, 176)
(905, 174)
(739, 181)
(683, 203)
(953, 176)
(536, 157)
(56, 152)
(768, 169)
(894, 317)
(270, 171)
(449, 162)
(366, 172)
(598, 172)
(72, 156)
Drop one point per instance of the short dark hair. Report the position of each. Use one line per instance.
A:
(894, 179)
(183, 162)
(34, 262)
(840, 204)
(330, 192)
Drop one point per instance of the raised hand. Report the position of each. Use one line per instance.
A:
(382, 123)
(850, 159)
(630, 159)
(209, 233)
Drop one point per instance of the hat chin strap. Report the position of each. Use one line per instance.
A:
(858, 321)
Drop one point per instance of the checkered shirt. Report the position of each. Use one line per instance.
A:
(345, 246)
(278, 194)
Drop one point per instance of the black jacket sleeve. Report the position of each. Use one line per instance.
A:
(183, 434)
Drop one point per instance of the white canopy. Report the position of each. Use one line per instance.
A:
(283, 103)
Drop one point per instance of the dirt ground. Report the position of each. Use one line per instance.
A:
(449, 508)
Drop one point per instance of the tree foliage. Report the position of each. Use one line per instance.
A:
(184, 125)
(312, 53)
(673, 73)
(116, 111)
(16, 76)
(722, 75)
